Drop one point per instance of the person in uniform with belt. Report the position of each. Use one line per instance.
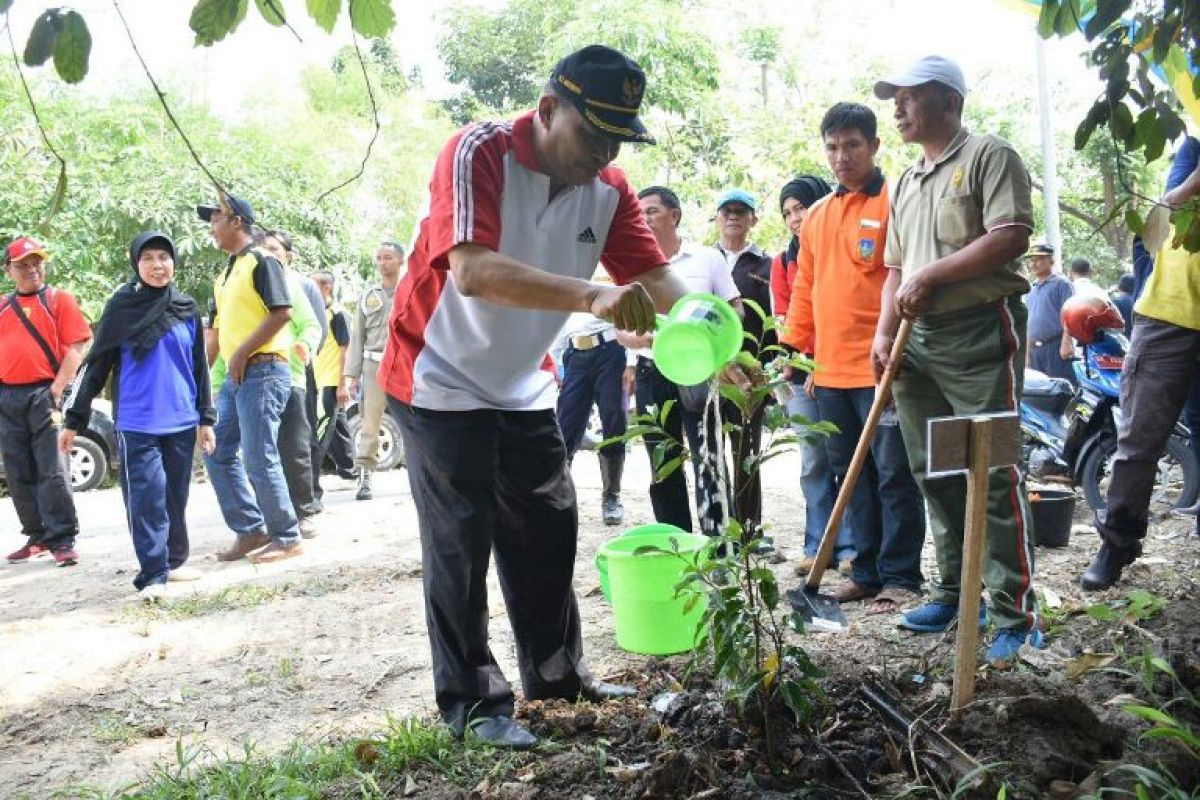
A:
(253, 309)
(368, 336)
(596, 369)
(1050, 346)
(960, 221)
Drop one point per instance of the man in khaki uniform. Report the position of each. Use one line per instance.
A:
(368, 335)
(961, 219)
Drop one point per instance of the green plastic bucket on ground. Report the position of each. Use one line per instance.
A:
(649, 618)
(700, 336)
(640, 530)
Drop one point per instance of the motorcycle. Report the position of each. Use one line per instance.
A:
(1070, 434)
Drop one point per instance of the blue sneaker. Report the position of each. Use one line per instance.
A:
(1003, 649)
(936, 617)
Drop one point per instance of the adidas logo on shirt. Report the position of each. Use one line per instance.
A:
(586, 236)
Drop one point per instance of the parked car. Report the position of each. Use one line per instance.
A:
(391, 446)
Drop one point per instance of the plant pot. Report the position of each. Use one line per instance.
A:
(1052, 512)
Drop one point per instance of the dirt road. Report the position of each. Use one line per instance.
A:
(98, 688)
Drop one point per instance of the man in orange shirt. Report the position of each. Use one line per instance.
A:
(835, 305)
(42, 333)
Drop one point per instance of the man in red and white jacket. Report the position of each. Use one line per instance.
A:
(520, 213)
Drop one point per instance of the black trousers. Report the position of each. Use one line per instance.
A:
(485, 482)
(335, 436)
(35, 471)
(669, 497)
(743, 443)
(295, 454)
(1155, 383)
(316, 455)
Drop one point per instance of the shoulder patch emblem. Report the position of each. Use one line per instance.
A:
(372, 302)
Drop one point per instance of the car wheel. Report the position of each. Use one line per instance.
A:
(391, 447)
(89, 464)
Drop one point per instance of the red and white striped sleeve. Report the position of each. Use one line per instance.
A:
(630, 248)
(465, 192)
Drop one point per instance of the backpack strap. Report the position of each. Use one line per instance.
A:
(47, 351)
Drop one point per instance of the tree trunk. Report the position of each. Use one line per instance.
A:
(1116, 233)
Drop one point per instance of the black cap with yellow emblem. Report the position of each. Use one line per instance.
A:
(606, 86)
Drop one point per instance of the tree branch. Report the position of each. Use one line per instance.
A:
(362, 168)
(279, 12)
(60, 190)
(1074, 211)
(162, 99)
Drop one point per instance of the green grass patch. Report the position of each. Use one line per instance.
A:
(375, 767)
(111, 729)
(244, 595)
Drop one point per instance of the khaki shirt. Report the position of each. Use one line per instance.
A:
(368, 333)
(977, 185)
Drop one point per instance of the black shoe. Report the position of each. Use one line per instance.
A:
(364, 484)
(599, 691)
(611, 510)
(502, 732)
(1105, 569)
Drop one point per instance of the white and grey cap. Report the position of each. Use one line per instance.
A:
(926, 70)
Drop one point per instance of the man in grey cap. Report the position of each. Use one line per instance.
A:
(1051, 348)
(960, 221)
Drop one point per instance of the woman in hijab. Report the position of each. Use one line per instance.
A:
(150, 341)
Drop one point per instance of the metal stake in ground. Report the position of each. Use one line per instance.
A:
(976, 445)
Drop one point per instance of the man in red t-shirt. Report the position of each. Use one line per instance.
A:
(42, 333)
(520, 213)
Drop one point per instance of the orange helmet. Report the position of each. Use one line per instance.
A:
(1083, 316)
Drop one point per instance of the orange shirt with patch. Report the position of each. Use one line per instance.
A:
(839, 276)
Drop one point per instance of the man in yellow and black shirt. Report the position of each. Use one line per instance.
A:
(253, 308)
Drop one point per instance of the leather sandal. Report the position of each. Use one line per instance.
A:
(849, 592)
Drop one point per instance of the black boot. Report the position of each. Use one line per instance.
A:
(1106, 567)
(611, 467)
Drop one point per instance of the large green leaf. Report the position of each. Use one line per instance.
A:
(73, 48)
(272, 11)
(1049, 13)
(213, 20)
(372, 18)
(324, 12)
(40, 45)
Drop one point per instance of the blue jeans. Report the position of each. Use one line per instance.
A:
(248, 417)
(156, 474)
(817, 483)
(887, 509)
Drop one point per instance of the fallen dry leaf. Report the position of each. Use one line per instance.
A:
(1087, 662)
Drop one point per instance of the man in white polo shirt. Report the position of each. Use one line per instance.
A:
(520, 213)
(702, 269)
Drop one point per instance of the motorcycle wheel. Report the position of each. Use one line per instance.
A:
(1175, 486)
